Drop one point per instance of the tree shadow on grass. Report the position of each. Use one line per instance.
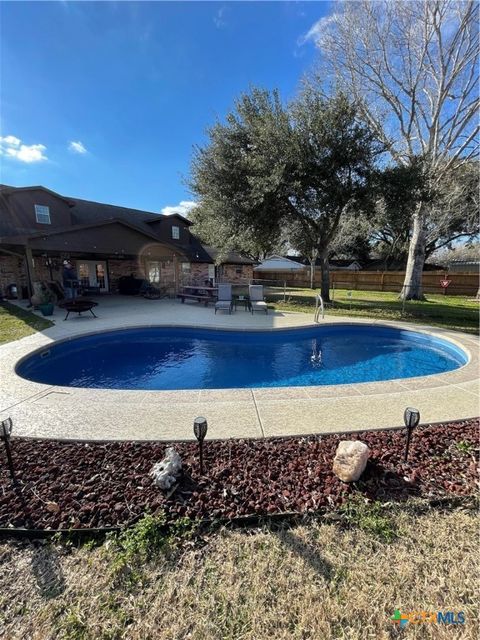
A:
(307, 552)
(47, 569)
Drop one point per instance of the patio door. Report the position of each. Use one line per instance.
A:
(93, 273)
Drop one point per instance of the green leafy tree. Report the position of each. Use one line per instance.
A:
(220, 231)
(269, 170)
(453, 207)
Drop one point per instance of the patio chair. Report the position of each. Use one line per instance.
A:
(257, 300)
(224, 302)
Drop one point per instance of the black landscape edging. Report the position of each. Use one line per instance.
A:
(240, 522)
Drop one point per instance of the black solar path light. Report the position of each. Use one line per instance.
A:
(411, 417)
(200, 428)
(5, 432)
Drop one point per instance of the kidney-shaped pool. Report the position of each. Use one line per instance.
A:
(193, 358)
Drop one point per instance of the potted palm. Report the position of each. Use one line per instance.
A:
(47, 299)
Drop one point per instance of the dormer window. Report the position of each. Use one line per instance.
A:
(42, 214)
(176, 233)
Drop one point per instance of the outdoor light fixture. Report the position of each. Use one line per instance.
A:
(411, 417)
(5, 433)
(200, 428)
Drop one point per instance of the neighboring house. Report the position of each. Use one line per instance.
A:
(464, 266)
(334, 265)
(40, 228)
(280, 264)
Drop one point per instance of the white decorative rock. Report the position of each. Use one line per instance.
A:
(165, 473)
(350, 460)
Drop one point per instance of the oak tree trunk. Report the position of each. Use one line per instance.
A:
(312, 273)
(412, 286)
(325, 282)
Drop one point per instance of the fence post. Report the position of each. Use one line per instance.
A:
(284, 291)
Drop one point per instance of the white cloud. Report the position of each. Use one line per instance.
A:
(183, 208)
(10, 140)
(316, 31)
(77, 147)
(219, 18)
(12, 147)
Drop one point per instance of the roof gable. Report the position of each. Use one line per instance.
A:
(7, 190)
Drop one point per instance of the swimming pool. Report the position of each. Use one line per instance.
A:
(167, 358)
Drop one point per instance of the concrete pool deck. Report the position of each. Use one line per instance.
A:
(45, 411)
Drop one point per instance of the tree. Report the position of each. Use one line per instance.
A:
(218, 231)
(238, 176)
(412, 68)
(335, 170)
(354, 238)
(269, 169)
(453, 207)
(469, 251)
(400, 188)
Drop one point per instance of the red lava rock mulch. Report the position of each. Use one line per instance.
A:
(81, 485)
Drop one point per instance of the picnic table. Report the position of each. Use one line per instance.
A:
(199, 293)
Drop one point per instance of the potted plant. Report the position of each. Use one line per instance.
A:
(47, 299)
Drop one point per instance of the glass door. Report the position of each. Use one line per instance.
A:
(93, 274)
(101, 275)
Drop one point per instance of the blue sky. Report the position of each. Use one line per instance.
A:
(105, 100)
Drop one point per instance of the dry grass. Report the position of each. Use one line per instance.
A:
(317, 581)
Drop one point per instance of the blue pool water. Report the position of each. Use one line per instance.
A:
(188, 358)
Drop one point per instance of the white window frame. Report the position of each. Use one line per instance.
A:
(175, 232)
(41, 210)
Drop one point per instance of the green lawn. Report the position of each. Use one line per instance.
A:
(449, 312)
(16, 323)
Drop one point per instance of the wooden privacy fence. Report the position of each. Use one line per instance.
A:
(461, 284)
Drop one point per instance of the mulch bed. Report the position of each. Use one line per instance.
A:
(89, 485)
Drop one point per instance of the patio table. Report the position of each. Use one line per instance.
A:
(238, 300)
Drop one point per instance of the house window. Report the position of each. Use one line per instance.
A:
(176, 233)
(42, 214)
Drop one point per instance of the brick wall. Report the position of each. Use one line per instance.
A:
(198, 272)
(119, 268)
(240, 273)
(235, 273)
(12, 271)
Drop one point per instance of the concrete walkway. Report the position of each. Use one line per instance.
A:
(73, 413)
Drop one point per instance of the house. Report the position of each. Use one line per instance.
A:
(283, 264)
(464, 266)
(334, 265)
(279, 263)
(40, 228)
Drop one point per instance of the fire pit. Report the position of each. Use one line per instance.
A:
(78, 306)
